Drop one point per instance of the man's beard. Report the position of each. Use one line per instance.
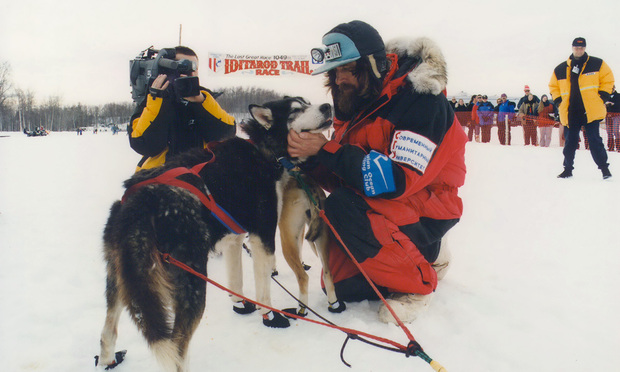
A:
(349, 100)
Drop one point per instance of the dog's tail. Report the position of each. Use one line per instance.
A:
(167, 354)
(150, 293)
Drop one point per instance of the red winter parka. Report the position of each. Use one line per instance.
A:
(412, 125)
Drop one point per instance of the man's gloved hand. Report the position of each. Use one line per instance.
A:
(159, 87)
(158, 93)
(604, 95)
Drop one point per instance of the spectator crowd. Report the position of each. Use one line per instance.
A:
(537, 117)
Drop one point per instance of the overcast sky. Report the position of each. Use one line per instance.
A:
(80, 49)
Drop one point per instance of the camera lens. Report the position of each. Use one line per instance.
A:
(187, 86)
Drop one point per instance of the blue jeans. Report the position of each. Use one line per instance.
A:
(597, 149)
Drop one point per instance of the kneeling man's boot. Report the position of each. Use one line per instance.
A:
(407, 306)
(442, 263)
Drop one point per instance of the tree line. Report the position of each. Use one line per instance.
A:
(236, 100)
(20, 110)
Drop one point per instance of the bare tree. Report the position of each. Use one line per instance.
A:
(25, 109)
(117, 113)
(51, 113)
(236, 100)
(5, 87)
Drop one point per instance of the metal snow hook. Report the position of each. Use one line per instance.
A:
(412, 349)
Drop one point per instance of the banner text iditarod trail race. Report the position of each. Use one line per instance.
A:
(277, 65)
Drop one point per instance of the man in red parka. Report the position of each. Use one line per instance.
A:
(393, 166)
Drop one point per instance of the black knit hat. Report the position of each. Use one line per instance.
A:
(351, 41)
(367, 40)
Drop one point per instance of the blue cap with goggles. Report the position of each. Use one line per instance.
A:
(348, 42)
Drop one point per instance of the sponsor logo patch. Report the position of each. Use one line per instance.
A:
(412, 149)
(377, 172)
(333, 52)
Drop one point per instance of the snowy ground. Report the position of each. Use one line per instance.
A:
(533, 287)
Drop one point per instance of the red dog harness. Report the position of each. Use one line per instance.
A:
(171, 178)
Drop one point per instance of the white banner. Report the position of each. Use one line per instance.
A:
(229, 64)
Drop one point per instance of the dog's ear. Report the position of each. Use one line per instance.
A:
(302, 99)
(262, 115)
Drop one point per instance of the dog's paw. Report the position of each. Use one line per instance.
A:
(302, 311)
(337, 307)
(244, 307)
(275, 320)
(119, 356)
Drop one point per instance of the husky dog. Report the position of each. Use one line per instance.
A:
(299, 205)
(246, 180)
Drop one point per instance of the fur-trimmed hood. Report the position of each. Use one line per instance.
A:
(430, 76)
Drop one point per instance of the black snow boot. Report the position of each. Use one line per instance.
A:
(606, 173)
(568, 173)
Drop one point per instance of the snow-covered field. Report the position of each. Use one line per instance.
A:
(533, 284)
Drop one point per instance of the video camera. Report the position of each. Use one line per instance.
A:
(152, 62)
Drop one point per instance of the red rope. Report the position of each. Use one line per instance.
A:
(400, 323)
(171, 260)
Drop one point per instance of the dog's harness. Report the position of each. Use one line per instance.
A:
(193, 183)
(295, 171)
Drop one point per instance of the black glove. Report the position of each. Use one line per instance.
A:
(158, 93)
(604, 95)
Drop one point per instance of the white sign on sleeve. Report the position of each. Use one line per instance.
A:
(412, 149)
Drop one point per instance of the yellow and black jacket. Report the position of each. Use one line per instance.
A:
(595, 84)
(163, 126)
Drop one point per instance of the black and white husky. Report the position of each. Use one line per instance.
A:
(246, 180)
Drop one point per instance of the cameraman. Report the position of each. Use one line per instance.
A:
(164, 124)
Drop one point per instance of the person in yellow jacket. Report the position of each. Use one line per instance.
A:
(165, 125)
(580, 87)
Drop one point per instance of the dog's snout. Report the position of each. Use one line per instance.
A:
(325, 108)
